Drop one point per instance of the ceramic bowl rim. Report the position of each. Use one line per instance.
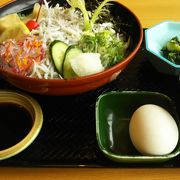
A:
(34, 109)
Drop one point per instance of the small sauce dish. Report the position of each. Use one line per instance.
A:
(21, 119)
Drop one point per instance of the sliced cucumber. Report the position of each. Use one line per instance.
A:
(72, 51)
(57, 52)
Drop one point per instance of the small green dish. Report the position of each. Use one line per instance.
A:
(113, 113)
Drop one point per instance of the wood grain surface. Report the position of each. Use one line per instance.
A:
(150, 12)
(5, 2)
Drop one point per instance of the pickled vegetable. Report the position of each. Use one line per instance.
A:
(172, 50)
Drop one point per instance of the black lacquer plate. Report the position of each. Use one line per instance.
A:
(68, 136)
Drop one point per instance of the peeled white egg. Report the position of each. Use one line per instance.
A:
(153, 131)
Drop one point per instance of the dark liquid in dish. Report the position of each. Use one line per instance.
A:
(15, 123)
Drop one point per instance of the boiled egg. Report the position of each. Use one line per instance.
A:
(153, 130)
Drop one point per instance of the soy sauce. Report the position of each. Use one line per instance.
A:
(15, 124)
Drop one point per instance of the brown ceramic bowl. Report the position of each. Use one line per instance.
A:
(84, 84)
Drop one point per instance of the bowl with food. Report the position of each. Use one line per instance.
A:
(163, 45)
(68, 48)
(132, 126)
